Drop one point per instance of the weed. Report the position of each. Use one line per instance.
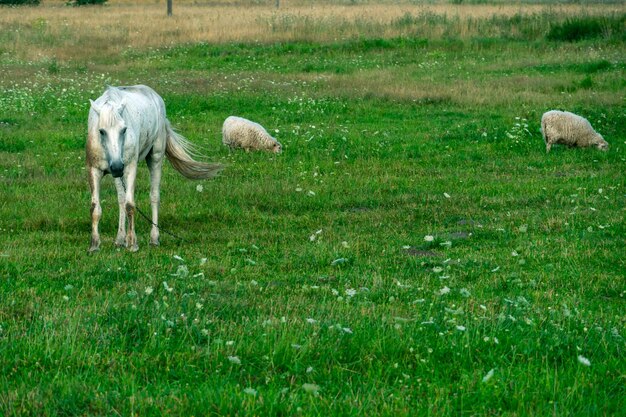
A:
(590, 27)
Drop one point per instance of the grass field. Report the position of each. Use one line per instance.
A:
(413, 251)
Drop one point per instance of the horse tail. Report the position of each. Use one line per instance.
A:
(180, 152)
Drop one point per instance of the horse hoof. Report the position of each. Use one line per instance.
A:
(133, 248)
(94, 249)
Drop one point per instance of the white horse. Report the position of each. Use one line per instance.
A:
(127, 125)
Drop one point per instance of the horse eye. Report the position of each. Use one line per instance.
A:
(103, 132)
(123, 131)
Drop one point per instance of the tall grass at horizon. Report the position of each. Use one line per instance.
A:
(100, 34)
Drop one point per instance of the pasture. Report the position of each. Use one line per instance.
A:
(413, 250)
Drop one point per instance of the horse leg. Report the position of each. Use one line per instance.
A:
(155, 166)
(120, 240)
(131, 237)
(95, 175)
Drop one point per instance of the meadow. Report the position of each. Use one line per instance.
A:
(413, 251)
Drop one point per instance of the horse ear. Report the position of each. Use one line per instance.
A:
(95, 107)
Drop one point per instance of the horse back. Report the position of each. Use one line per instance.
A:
(142, 97)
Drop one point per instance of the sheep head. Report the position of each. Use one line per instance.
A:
(600, 143)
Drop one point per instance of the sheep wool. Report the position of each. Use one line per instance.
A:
(238, 132)
(569, 129)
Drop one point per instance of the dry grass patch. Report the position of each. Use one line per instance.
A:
(67, 33)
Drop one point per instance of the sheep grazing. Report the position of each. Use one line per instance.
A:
(238, 132)
(569, 129)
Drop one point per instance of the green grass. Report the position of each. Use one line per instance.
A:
(305, 284)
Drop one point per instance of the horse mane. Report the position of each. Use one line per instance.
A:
(110, 110)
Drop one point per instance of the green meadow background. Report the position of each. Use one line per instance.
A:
(413, 251)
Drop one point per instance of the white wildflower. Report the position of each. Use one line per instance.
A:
(350, 292)
(250, 391)
(167, 287)
(437, 269)
(446, 195)
(182, 271)
(311, 388)
(461, 328)
(489, 375)
(339, 261)
(199, 188)
(235, 360)
(464, 292)
(148, 290)
(314, 235)
(309, 369)
(444, 290)
(347, 330)
(311, 321)
(584, 360)
(429, 238)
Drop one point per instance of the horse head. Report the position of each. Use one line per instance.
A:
(112, 131)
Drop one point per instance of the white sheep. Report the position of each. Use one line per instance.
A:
(569, 129)
(238, 132)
